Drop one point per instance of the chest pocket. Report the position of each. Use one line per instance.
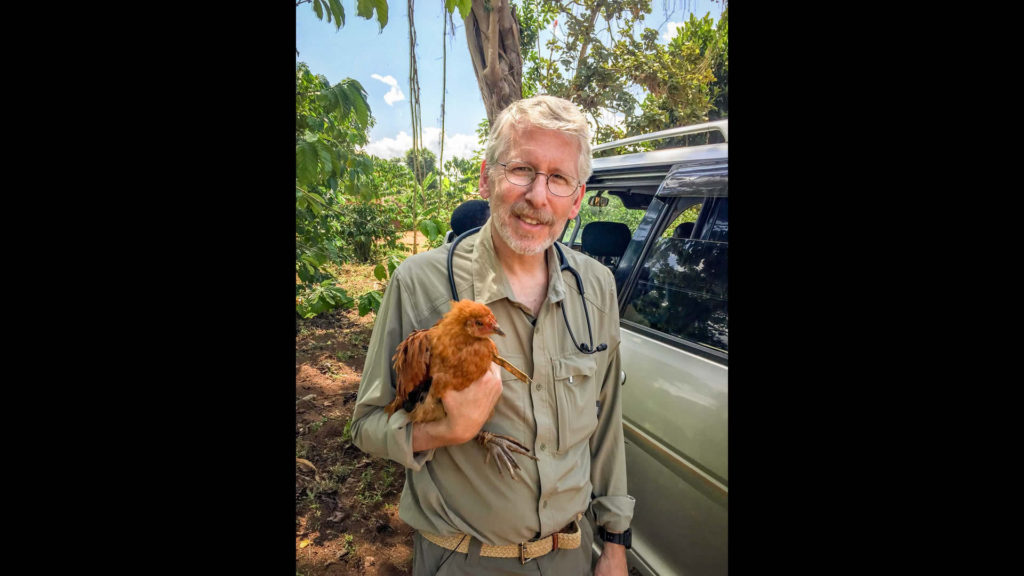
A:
(515, 396)
(576, 398)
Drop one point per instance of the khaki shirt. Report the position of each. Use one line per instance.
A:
(570, 419)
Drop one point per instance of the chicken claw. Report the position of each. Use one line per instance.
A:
(502, 447)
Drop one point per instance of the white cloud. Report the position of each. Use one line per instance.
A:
(461, 145)
(393, 95)
(390, 147)
(672, 30)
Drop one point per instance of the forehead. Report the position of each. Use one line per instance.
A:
(544, 149)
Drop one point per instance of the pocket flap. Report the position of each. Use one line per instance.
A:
(574, 367)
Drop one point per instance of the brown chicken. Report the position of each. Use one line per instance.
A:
(453, 354)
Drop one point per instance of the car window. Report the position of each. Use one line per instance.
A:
(682, 287)
(615, 211)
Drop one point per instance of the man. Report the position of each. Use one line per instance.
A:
(467, 514)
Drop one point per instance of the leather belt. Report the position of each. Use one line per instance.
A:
(568, 538)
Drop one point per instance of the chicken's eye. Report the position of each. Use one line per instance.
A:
(479, 323)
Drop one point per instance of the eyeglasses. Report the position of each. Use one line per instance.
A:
(522, 174)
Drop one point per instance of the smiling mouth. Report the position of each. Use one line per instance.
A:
(529, 220)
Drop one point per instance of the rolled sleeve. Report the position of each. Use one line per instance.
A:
(373, 431)
(612, 505)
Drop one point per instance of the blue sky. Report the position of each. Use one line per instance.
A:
(379, 60)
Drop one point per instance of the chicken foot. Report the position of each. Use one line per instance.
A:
(501, 448)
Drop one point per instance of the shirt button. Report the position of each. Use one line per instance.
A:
(538, 387)
(545, 503)
(543, 446)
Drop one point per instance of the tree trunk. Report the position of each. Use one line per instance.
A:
(493, 40)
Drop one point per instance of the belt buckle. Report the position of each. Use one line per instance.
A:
(522, 554)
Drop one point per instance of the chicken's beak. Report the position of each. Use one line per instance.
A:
(498, 330)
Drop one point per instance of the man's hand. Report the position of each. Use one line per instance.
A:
(467, 410)
(612, 561)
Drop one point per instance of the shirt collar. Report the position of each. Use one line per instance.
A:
(489, 280)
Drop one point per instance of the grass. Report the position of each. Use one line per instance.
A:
(373, 491)
(317, 425)
(350, 548)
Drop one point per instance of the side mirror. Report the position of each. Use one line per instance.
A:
(599, 201)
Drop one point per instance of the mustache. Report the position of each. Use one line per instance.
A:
(522, 208)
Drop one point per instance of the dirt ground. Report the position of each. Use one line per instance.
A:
(346, 502)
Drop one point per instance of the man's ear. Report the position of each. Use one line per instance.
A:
(579, 202)
(485, 191)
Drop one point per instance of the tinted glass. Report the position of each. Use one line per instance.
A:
(683, 287)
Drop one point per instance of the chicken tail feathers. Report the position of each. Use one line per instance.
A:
(412, 367)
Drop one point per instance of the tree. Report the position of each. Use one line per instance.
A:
(492, 35)
(427, 162)
(603, 59)
(335, 217)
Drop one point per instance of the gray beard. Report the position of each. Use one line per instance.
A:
(519, 246)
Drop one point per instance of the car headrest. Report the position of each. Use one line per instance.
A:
(605, 238)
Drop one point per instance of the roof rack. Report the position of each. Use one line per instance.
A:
(720, 125)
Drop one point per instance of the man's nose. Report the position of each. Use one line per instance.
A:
(537, 192)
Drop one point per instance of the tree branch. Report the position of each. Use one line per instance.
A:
(491, 71)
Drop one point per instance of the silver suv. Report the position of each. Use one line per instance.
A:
(660, 220)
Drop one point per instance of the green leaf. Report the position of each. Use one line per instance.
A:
(379, 272)
(306, 163)
(325, 153)
(393, 263)
(352, 93)
(428, 180)
(318, 9)
(339, 13)
(369, 301)
(314, 196)
(365, 9)
(464, 7)
(429, 229)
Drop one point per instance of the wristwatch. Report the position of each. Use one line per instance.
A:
(626, 538)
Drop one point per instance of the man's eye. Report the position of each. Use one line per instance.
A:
(559, 180)
(522, 170)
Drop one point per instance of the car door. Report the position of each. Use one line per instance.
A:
(674, 328)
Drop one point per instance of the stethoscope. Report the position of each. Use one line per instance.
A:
(563, 265)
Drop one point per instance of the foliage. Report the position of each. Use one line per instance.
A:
(336, 213)
(483, 131)
(320, 297)
(424, 158)
(601, 58)
(333, 9)
(714, 47)
(367, 230)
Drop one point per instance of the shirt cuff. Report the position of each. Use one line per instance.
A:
(400, 442)
(613, 512)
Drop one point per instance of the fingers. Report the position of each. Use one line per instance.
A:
(468, 409)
